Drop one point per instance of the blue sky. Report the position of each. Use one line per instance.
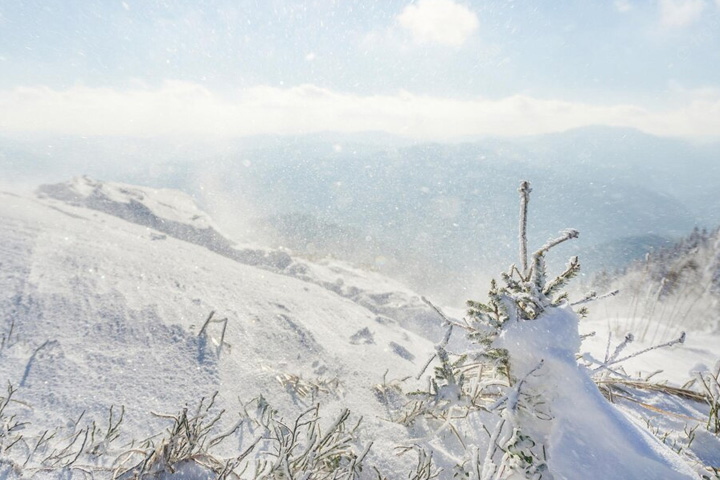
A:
(425, 68)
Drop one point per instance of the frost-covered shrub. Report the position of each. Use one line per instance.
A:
(551, 421)
(709, 382)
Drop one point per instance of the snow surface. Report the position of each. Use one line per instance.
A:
(104, 289)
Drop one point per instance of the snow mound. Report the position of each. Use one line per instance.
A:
(587, 437)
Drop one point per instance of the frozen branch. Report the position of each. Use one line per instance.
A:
(524, 200)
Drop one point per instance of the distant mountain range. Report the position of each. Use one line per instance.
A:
(437, 215)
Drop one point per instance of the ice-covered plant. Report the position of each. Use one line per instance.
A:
(9, 423)
(186, 448)
(525, 371)
(425, 468)
(304, 449)
(709, 382)
(523, 295)
(485, 378)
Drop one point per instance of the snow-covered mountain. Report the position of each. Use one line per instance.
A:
(114, 294)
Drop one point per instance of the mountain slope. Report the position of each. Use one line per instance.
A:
(104, 312)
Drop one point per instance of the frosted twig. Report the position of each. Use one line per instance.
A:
(593, 296)
(445, 340)
(515, 392)
(607, 347)
(6, 338)
(489, 467)
(609, 294)
(571, 268)
(680, 339)
(440, 346)
(589, 297)
(80, 451)
(447, 321)
(202, 330)
(587, 335)
(210, 320)
(223, 436)
(524, 200)
(603, 366)
(565, 235)
(222, 336)
(629, 338)
(425, 366)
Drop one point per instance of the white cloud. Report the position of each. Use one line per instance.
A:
(624, 6)
(179, 108)
(680, 13)
(439, 21)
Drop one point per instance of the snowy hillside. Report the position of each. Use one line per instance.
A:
(106, 312)
(176, 215)
(116, 295)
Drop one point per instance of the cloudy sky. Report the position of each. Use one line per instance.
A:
(431, 69)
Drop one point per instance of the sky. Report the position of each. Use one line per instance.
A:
(426, 69)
